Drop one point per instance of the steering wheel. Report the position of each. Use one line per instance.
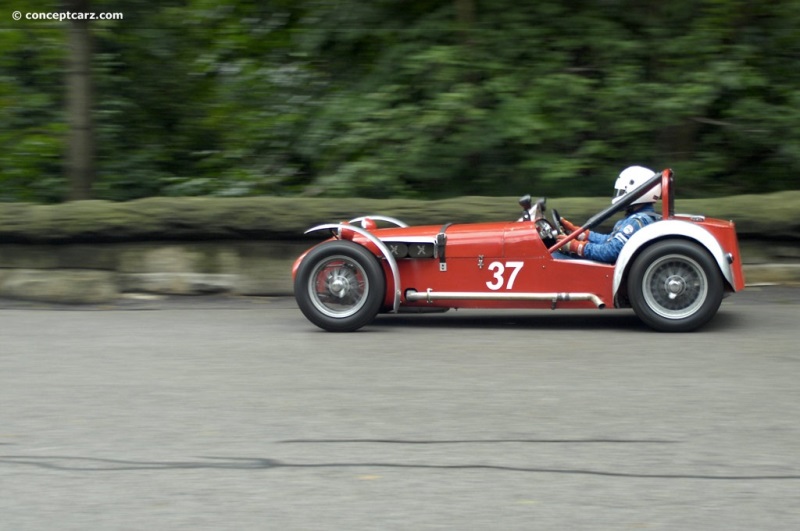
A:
(546, 231)
(557, 221)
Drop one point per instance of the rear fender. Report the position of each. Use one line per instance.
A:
(671, 228)
(381, 247)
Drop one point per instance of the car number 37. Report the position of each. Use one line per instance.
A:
(504, 274)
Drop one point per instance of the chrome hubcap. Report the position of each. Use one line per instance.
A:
(339, 286)
(674, 286)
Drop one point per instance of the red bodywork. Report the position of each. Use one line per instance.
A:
(494, 258)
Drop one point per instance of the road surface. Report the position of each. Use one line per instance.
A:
(228, 413)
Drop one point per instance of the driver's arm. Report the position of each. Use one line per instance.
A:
(606, 251)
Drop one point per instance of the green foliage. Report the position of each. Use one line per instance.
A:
(409, 98)
(773, 216)
(32, 126)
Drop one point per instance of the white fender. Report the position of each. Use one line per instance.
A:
(668, 228)
(387, 219)
(379, 244)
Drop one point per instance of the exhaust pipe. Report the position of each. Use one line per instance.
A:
(430, 296)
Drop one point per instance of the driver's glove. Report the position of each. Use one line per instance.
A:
(572, 247)
(571, 227)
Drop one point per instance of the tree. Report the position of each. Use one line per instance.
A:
(80, 143)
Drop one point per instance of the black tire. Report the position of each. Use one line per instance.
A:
(675, 286)
(340, 286)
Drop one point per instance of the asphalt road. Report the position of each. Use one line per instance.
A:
(219, 413)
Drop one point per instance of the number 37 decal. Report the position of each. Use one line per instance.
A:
(501, 278)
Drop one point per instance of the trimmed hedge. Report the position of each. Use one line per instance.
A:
(770, 216)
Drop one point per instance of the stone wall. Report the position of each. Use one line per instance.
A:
(93, 273)
(97, 273)
(95, 251)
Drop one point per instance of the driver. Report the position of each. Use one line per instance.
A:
(606, 247)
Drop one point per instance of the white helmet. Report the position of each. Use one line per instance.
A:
(630, 179)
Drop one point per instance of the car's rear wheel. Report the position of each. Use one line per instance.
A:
(340, 286)
(675, 286)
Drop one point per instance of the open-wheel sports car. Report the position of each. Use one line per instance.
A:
(673, 272)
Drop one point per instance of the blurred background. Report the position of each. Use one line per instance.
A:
(396, 98)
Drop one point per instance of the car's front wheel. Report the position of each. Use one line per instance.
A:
(675, 286)
(339, 286)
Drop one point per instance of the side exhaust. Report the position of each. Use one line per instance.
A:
(430, 296)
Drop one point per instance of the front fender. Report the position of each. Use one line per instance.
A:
(665, 229)
(379, 244)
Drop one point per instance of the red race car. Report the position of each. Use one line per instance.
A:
(673, 272)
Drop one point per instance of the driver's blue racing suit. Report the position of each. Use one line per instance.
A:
(606, 247)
